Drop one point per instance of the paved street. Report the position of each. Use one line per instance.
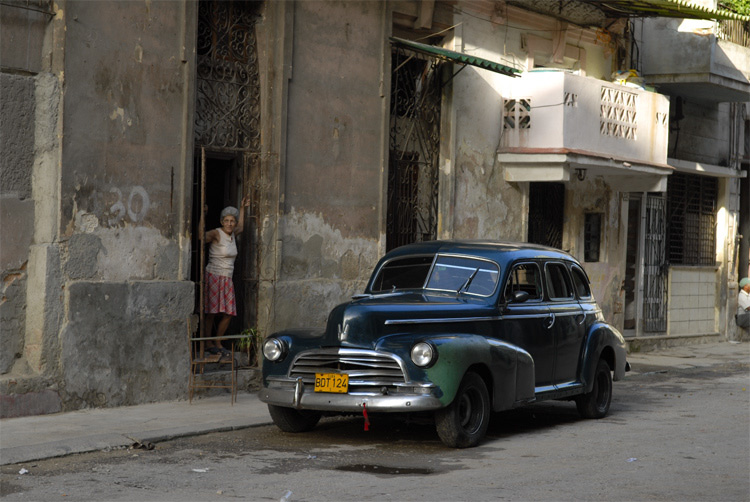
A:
(678, 430)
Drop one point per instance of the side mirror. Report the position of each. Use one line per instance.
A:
(519, 297)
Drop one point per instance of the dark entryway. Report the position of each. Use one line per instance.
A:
(546, 209)
(227, 139)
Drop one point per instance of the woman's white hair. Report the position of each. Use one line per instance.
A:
(229, 211)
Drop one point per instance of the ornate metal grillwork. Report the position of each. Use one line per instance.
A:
(228, 89)
(655, 266)
(546, 207)
(414, 149)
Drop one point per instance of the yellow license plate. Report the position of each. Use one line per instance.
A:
(331, 382)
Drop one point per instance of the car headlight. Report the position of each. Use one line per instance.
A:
(274, 349)
(423, 354)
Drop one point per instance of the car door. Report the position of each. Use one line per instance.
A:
(526, 323)
(568, 322)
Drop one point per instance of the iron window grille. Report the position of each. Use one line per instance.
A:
(691, 219)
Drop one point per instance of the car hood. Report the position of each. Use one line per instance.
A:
(361, 323)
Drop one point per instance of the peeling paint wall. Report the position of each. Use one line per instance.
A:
(330, 227)
(101, 318)
(485, 205)
(607, 275)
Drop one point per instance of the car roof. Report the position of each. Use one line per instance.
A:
(502, 252)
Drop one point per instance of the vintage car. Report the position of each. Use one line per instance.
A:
(459, 329)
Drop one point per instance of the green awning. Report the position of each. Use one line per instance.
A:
(665, 8)
(456, 57)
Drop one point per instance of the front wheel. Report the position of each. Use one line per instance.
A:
(595, 404)
(291, 420)
(464, 422)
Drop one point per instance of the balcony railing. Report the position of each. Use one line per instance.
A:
(552, 111)
(737, 32)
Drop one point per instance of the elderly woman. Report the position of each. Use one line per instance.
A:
(219, 287)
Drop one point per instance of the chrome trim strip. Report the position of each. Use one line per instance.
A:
(392, 322)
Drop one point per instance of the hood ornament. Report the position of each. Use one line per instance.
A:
(343, 333)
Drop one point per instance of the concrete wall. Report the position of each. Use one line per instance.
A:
(332, 193)
(484, 205)
(103, 318)
(17, 109)
(607, 274)
(703, 135)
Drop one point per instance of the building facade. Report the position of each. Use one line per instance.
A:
(355, 127)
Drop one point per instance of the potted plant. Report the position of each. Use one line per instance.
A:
(250, 344)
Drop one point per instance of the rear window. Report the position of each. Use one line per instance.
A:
(403, 273)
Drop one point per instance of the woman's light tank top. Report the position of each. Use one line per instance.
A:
(221, 255)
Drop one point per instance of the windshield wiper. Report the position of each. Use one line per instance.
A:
(467, 283)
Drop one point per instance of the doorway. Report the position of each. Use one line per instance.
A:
(646, 266)
(227, 129)
(546, 210)
(221, 187)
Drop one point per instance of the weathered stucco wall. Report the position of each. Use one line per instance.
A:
(332, 194)
(124, 158)
(608, 274)
(107, 300)
(486, 206)
(703, 134)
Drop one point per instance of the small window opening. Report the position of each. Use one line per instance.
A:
(592, 236)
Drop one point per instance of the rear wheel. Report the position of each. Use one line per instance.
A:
(595, 404)
(464, 422)
(291, 420)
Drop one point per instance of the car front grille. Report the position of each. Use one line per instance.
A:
(367, 369)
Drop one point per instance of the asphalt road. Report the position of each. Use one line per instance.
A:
(681, 434)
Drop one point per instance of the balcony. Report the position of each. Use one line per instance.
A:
(698, 60)
(558, 126)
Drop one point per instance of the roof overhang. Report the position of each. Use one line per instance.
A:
(563, 165)
(664, 8)
(686, 166)
(456, 57)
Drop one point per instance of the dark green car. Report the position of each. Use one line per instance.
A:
(457, 328)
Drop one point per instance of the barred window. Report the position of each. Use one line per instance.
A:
(691, 219)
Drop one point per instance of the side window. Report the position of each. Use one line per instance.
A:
(558, 282)
(524, 277)
(581, 283)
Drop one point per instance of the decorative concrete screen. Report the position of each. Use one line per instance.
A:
(559, 111)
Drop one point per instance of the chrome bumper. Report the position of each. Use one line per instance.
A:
(294, 395)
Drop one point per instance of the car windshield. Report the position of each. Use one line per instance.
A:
(403, 273)
(460, 274)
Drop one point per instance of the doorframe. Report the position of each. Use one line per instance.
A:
(637, 330)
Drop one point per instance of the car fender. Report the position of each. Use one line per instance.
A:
(507, 369)
(602, 341)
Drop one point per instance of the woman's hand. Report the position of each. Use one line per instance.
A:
(241, 222)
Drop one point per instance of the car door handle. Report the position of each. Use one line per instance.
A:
(583, 318)
(551, 321)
